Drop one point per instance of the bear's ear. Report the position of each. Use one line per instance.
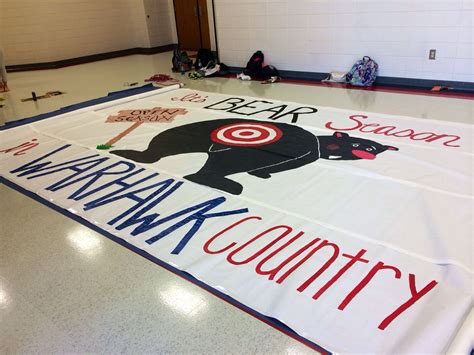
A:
(389, 147)
(340, 134)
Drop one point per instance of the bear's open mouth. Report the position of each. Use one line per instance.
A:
(363, 154)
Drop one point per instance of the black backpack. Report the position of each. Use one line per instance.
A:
(181, 61)
(224, 70)
(268, 71)
(255, 64)
(204, 56)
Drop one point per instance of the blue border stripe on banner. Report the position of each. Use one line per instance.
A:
(114, 96)
(268, 320)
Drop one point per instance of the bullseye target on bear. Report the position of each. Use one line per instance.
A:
(246, 134)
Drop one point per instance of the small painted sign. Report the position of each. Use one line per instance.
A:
(139, 116)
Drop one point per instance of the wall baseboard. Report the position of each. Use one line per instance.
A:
(462, 86)
(457, 86)
(89, 58)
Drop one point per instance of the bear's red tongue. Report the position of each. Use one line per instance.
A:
(363, 154)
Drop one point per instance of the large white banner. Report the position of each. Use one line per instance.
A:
(354, 229)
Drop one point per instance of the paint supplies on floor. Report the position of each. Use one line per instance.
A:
(195, 75)
(49, 94)
(162, 80)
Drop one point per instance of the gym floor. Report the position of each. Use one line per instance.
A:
(65, 288)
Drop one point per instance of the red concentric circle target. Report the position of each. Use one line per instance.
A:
(246, 134)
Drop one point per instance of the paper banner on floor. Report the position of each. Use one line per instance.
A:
(352, 228)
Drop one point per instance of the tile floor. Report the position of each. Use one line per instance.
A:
(65, 288)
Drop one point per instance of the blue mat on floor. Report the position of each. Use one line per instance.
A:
(114, 95)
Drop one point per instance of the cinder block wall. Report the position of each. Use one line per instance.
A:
(33, 31)
(327, 35)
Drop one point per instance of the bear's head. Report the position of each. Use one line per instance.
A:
(341, 146)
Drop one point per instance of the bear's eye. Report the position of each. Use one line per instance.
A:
(355, 144)
(369, 149)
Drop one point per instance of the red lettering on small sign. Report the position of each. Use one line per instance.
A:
(139, 116)
(156, 114)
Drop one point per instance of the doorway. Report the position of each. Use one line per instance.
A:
(192, 24)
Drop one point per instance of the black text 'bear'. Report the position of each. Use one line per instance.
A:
(256, 147)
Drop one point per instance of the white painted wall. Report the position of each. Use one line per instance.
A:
(34, 31)
(327, 35)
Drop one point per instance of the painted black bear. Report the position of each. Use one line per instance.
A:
(256, 147)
